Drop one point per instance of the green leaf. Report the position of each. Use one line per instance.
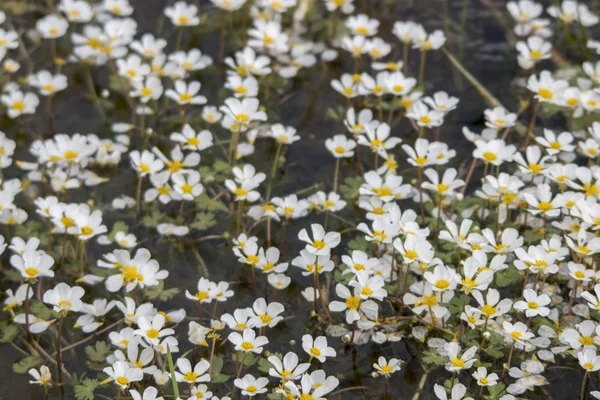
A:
(21, 367)
(9, 332)
(85, 390)
(159, 292)
(216, 367)
(203, 221)
(264, 365)
(349, 189)
(39, 309)
(98, 352)
(508, 277)
(432, 357)
(118, 227)
(359, 243)
(220, 378)
(205, 203)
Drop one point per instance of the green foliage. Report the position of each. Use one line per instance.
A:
(216, 366)
(431, 357)
(508, 277)
(359, 243)
(120, 226)
(349, 188)
(159, 292)
(219, 171)
(203, 221)
(98, 352)
(21, 367)
(205, 203)
(8, 332)
(154, 217)
(85, 389)
(495, 392)
(39, 309)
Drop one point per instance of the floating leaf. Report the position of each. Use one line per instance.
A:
(203, 221)
(26, 364)
(85, 390)
(8, 332)
(205, 203)
(349, 189)
(98, 352)
(216, 367)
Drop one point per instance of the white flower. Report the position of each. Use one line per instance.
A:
(322, 242)
(192, 375)
(317, 347)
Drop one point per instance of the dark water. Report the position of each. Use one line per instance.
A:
(476, 37)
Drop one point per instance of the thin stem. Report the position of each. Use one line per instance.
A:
(422, 68)
(172, 370)
(335, 174)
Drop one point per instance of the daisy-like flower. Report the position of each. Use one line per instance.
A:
(346, 86)
(379, 140)
(446, 186)
(240, 114)
(340, 146)
(64, 298)
(495, 152)
(123, 374)
(387, 367)
(317, 347)
(47, 83)
(456, 363)
(517, 332)
(187, 184)
(289, 369)
(593, 299)
(485, 379)
(33, 264)
(362, 25)
(582, 336)
(17, 103)
(284, 134)
(533, 304)
(186, 93)
(266, 314)
(542, 202)
(150, 393)
(441, 101)
(52, 26)
(190, 140)
(242, 87)
(556, 143)
(387, 188)
(147, 89)
(352, 304)
(588, 360)
(545, 87)
(458, 392)
(498, 118)
(322, 242)
(424, 117)
(151, 328)
(442, 278)
(42, 377)
(359, 124)
(251, 386)
(579, 272)
(248, 341)
(192, 375)
(183, 14)
(533, 50)
(145, 163)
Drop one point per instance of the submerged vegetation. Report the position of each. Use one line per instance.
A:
(181, 248)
